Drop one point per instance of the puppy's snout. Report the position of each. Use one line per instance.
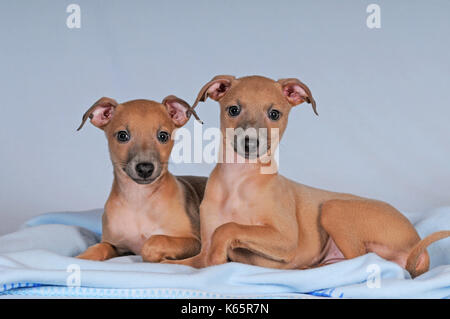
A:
(144, 170)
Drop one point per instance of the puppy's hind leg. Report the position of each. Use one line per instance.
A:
(361, 226)
(266, 242)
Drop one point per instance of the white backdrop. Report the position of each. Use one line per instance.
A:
(382, 94)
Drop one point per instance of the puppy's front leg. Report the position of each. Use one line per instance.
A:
(161, 247)
(264, 241)
(99, 252)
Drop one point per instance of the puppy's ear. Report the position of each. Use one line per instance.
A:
(297, 92)
(215, 89)
(178, 109)
(100, 113)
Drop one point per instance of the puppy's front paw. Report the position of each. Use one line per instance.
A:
(99, 252)
(217, 256)
(91, 256)
(198, 261)
(156, 249)
(220, 243)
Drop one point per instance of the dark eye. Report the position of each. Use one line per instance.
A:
(234, 110)
(163, 136)
(274, 115)
(123, 136)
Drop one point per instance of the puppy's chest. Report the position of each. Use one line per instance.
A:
(128, 229)
(240, 205)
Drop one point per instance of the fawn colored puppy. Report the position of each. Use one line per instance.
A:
(149, 211)
(269, 220)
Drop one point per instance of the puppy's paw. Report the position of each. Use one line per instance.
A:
(156, 249)
(198, 261)
(152, 256)
(90, 256)
(98, 252)
(217, 257)
(220, 244)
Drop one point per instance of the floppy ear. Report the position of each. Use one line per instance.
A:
(178, 109)
(215, 89)
(100, 113)
(297, 92)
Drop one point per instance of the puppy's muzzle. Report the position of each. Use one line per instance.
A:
(143, 168)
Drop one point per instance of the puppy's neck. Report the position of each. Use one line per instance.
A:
(128, 190)
(232, 174)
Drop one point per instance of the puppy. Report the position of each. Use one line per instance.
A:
(269, 220)
(149, 211)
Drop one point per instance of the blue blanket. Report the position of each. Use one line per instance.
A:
(37, 261)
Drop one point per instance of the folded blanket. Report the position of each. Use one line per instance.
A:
(37, 261)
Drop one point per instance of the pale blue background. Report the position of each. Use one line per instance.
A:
(383, 95)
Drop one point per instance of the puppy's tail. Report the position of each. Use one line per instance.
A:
(416, 264)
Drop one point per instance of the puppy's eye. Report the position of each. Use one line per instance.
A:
(163, 137)
(123, 136)
(234, 110)
(274, 115)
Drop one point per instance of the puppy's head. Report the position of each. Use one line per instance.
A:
(139, 133)
(253, 105)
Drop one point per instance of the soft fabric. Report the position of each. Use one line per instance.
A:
(37, 261)
(91, 219)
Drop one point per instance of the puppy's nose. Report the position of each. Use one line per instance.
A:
(144, 170)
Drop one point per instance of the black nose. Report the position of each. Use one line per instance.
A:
(144, 170)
